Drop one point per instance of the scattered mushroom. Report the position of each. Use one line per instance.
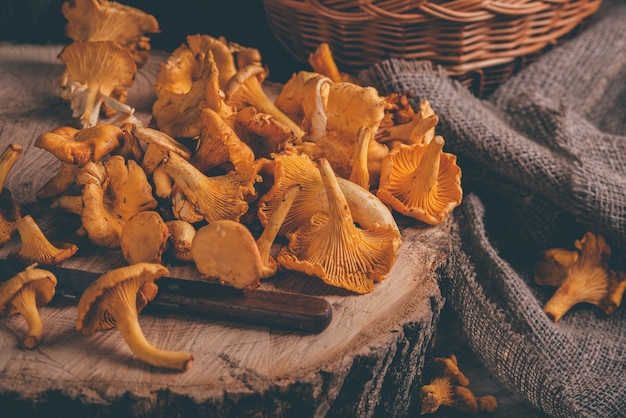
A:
(24, 293)
(93, 72)
(421, 181)
(581, 276)
(331, 247)
(115, 300)
(144, 238)
(449, 388)
(36, 248)
(226, 250)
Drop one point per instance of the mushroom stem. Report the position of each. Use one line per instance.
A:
(425, 174)
(7, 160)
(360, 173)
(127, 321)
(267, 237)
(25, 303)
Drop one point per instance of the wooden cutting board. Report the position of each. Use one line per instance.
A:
(367, 362)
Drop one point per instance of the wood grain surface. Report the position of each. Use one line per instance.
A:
(366, 363)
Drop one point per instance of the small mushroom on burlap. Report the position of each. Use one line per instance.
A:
(225, 250)
(103, 20)
(24, 293)
(115, 300)
(581, 276)
(449, 388)
(94, 73)
(421, 181)
(330, 246)
(35, 246)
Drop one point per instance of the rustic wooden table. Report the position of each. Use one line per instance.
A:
(367, 362)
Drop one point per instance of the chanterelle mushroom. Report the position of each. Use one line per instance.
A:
(178, 113)
(103, 20)
(210, 197)
(93, 72)
(421, 181)
(245, 89)
(115, 300)
(78, 146)
(448, 388)
(334, 249)
(581, 276)
(225, 250)
(144, 238)
(36, 248)
(113, 192)
(24, 293)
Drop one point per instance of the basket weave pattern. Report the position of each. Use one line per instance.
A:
(483, 41)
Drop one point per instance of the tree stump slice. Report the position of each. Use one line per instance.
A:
(368, 361)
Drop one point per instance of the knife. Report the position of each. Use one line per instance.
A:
(206, 299)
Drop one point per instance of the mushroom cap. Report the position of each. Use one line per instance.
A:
(222, 54)
(226, 250)
(178, 114)
(134, 281)
(219, 145)
(43, 282)
(102, 65)
(113, 191)
(144, 238)
(74, 146)
(421, 181)
(262, 132)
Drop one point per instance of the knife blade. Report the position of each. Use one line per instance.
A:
(205, 299)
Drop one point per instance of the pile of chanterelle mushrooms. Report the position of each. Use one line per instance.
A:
(235, 182)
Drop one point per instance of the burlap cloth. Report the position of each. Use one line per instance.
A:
(544, 160)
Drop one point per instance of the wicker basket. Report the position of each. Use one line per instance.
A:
(480, 42)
